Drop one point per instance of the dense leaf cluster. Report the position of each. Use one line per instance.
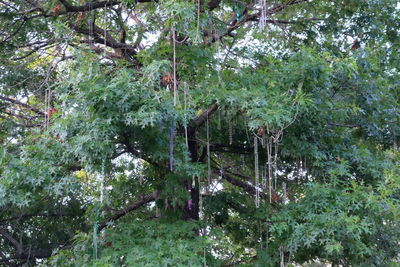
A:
(131, 132)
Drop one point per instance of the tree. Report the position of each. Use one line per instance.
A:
(199, 133)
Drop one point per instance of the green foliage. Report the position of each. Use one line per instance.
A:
(321, 83)
(153, 243)
(339, 223)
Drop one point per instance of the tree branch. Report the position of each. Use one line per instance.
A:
(131, 207)
(88, 6)
(254, 17)
(127, 50)
(227, 175)
(94, 5)
(11, 240)
(202, 118)
(14, 101)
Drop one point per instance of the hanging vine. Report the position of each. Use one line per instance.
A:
(102, 173)
(230, 132)
(47, 107)
(256, 171)
(208, 155)
(185, 94)
(263, 14)
(172, 128)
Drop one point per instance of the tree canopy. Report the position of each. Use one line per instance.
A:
(199, 133)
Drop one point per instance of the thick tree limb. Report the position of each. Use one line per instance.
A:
(109, 40)
(19, 116)
(95, 5)
(254, 17)
(11, 240)
(227, 175)
(202, 118)
(103, 37)
(133, 206)
(14, 101)
(89, 6)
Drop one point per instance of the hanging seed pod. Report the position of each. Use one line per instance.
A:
(230, 132)
(219, 120)
(264, 177)
(256, 171)
(208, 155)
(186, 91)
(263, 15)
(282, 256)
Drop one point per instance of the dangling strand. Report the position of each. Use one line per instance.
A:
(102, 182)
(275, 164)
(264, 176)
(49, 107)
(171, 146)
(266, 235)
(208, 156)
(91, 22)
(230, 132)
(172, 129)
(282, 256)
(185, 92)
(90, 26)
(247, 131)
(305, 168)
(46, 108)
(263, 141)
(269, 158)
(105, 30)
(263, 14)
(256, 171)
(200, 195)
(260, 232)
(198, 18)
(219, 67)
(97, 214)
(95, 237)
(174, 63)
(219, 120)
(284, 189)
(103, 173)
